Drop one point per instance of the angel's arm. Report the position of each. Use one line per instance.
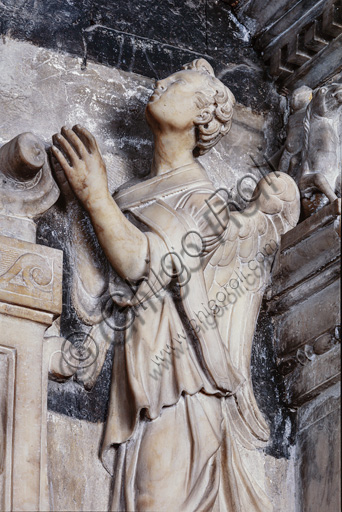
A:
(125, 245)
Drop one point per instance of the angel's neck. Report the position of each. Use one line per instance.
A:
(171, 151)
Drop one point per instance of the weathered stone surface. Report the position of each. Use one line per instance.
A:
(98, 98)
(306, 259)
(78, 480)
(305, 305)
(305, 290)
(74, 443)
(305, 321)
(305, 300)
(30, 275)
(309, 226)
(109, 103)
(312, 377)
(23, 395)
(319, 453)
(269, 389)
(300, 42)
(20, 228)
(7, 394)
(150, 37)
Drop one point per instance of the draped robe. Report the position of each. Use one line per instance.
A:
(181, 399)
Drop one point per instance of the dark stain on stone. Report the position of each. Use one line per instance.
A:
(268, 390)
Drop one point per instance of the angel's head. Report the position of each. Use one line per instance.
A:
(192, 99)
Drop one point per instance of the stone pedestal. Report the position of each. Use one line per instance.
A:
(305, 306)
(30, 299)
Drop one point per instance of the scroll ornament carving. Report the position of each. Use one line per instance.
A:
(178, 293)
(30, 274)
(27, 188)
(28, 271)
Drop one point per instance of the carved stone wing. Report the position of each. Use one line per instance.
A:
(238, 272)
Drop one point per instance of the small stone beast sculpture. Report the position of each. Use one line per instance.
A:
(321, 156)
(291, 153)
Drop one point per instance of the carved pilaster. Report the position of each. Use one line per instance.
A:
(7, 392)
(30, 299)
(305, 305)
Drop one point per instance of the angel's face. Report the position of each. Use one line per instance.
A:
(173, 104)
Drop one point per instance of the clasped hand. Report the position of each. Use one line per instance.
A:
(77, 153)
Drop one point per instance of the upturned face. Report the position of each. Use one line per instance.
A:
(173, 103)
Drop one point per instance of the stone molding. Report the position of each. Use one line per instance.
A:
(291, 50)
(304, 304)
(300, 42)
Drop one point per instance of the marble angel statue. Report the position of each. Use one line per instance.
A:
(171, 442)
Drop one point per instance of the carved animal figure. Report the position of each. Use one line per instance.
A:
(291, 156)
(321, 156)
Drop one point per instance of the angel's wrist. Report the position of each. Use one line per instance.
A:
(98, 201)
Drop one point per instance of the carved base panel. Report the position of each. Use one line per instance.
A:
(30, 298)
(24, 417)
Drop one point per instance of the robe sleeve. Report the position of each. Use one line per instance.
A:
(159, 271)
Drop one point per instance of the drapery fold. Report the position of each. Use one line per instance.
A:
(181, 398)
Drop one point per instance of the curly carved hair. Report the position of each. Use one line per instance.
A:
(216, 102)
